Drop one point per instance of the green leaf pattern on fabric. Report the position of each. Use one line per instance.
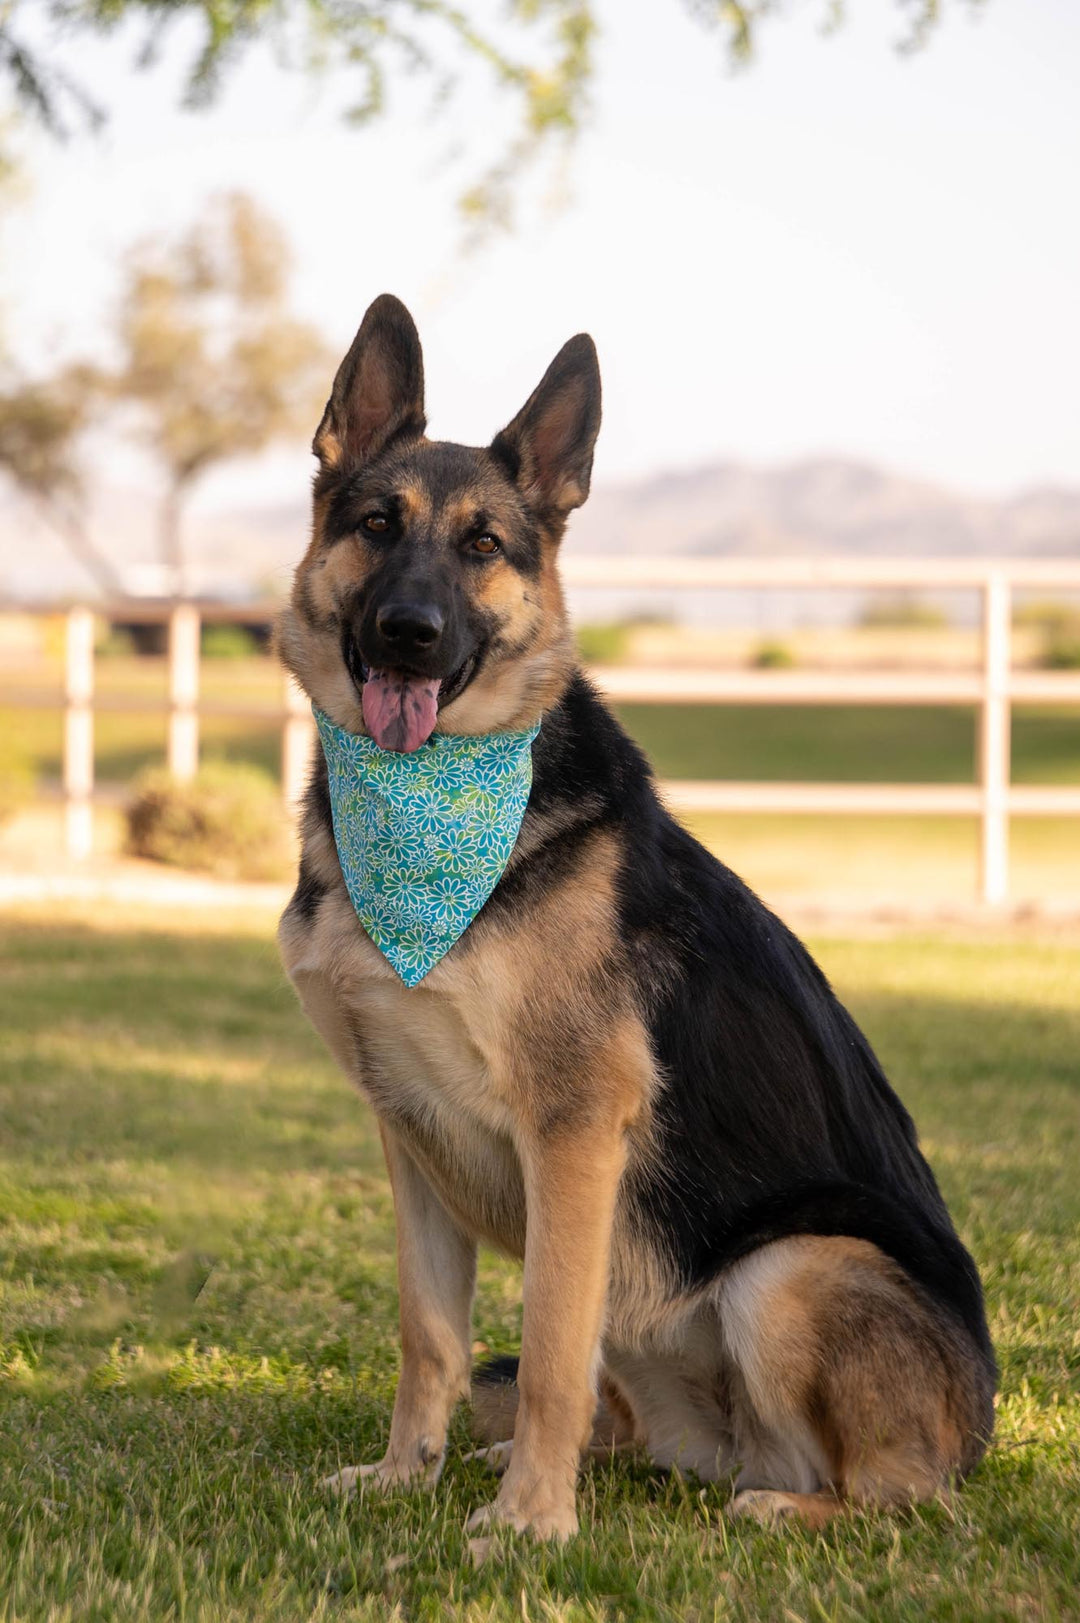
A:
(423, 839)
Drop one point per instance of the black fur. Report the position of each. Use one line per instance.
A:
(501, 1369)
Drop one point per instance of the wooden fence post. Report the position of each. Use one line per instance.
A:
(79, 733)
(183, 741)
(297, 739)
(994, 763)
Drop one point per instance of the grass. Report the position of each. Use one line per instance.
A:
(197, 1311)
(847, 743)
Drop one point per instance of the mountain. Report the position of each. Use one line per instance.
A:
(817, 506)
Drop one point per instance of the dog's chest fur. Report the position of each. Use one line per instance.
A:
(435, 1060)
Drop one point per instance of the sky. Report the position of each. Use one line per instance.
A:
(840, 250)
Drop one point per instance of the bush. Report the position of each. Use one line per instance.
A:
(113, 642)
(1061, 650)
(1050, 615)
(772, 656)
(228, 642)
(602, 644)
(227, 821)
(902, 611)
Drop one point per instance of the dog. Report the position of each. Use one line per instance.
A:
(625, 1071)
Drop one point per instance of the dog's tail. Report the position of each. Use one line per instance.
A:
(495, 1401)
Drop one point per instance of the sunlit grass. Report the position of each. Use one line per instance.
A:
(197, 1310)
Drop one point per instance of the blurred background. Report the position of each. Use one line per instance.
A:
(830, 569)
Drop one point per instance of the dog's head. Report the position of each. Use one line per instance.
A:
(429, 594)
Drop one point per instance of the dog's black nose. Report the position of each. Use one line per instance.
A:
(409, 628)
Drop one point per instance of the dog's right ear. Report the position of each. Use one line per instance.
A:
(378, 394)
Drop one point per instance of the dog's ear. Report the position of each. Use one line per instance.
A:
(548, 448)
(378, 393)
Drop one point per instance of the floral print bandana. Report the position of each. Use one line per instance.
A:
(424, 838)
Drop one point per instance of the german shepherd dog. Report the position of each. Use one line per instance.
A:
(626, 1072)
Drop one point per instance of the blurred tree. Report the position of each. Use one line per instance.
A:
(212, 363)
(211, 367)
(40, 428)
(547, 65)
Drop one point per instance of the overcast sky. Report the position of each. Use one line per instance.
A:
(840, 250)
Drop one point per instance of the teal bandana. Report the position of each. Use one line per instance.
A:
(424, 838)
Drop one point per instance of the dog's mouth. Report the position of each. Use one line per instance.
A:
(400, 706)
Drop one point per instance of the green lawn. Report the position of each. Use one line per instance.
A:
(197, 1311)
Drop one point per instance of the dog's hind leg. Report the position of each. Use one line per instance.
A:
(436, 1276)
(851, 1386)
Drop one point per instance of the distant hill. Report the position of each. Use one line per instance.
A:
(823, 504)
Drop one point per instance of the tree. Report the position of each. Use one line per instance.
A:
(547, 64)
(41, 424)
(212, 364)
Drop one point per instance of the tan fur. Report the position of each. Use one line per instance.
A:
(476, 1052)
(870, 1403)
(772, 1509)
(571, 1181)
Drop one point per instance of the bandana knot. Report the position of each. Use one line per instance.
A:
(424, 838)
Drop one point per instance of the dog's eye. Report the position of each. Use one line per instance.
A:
(487, 545)
(376, 523)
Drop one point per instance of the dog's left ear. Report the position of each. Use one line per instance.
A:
(548, 448)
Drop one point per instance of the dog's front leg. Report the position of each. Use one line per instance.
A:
(436, 1277)
(571, 1183)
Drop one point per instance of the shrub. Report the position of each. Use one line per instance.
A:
(602, 644)
(226, 821)
(1050, 615)
(228, 642)
(902, 611)
(772, 656)
(113, 642)
(1061, 649)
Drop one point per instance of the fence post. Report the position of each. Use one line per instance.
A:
(183, 741)
(296, 743)
(994, 764)
(79, 733)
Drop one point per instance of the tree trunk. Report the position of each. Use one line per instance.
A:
(172, 545)
(73, 533)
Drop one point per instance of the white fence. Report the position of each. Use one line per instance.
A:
(992, 688)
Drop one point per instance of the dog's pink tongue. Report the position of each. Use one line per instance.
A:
(400, 711)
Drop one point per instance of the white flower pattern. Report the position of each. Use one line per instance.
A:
(423, 839)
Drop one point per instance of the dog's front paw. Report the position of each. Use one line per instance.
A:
(419, 1468)
(543, 1512)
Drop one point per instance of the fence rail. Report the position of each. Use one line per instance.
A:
(992, 688)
